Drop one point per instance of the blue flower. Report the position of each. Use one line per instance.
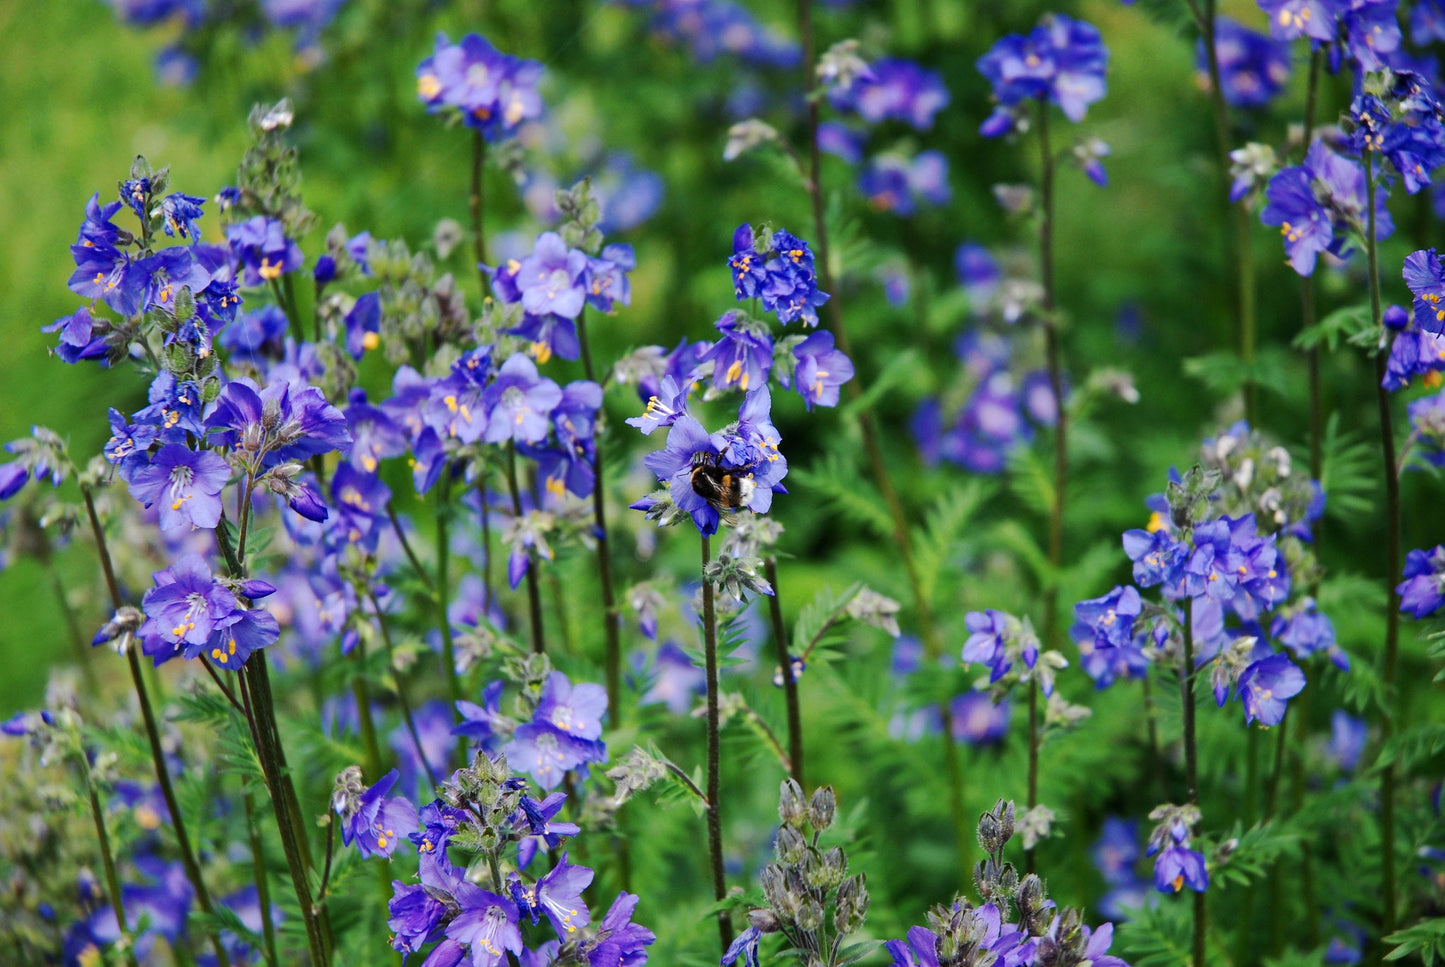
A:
(893, 89)
(551, 279)
(744, 945)
(1061, 59)
(186, 483)
(519, 403)
(262, 251)
(1177, 867)
(819, 370)
(1266, 685)
(493, 91)
(1421, 591)
(1253, 68)
(180, 213)
(487, 925)
(620, 942)
(743, 357)
(378, 822)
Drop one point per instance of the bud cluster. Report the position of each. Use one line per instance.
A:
(805, 883)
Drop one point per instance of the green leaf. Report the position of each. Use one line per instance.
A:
(1425, 940)
(899, 369)
(837, 484)
(818, 617)
(950, 514)
(1349, 323)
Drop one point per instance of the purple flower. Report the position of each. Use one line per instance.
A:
(921, 950)
(1253, 68)
(744, 945)
(519, 403)
(893, 89)
(187, 483)
(782, 275)
(1348, 736)
(261, 249)
(189, 612)
(1318, 204)
(1421, 591)
(1158, 558)
(1292, 19)
(363, 323)
(360, 500)
(977, 720)
(256, 335)
(574, 709)
(551, 279)
(895, 183)
(13, 476)
(494, 92)
(743, 357)
(1061, 59)
(1265, 687)
(1178, 867)
(558, 896)
(607, 281)
(180, 213)
(1425, 277)
(677, 682)
(547, 753)
(664, 408)
(378, 822)
(487, 925)
(620, 942)
(283, 422)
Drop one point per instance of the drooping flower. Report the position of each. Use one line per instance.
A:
(377, 823)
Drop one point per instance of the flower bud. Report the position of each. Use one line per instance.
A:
(821, 808)
(791, 809)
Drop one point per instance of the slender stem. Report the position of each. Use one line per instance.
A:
(604, 554)
(263, 887)
(406, 547)
(1307, 298)
(442, 590)
(297, 859)
(288, 284)
(534, 592)
(292, 320)
(406, 713)
(877, 463)
(330, 852)
(790, 684)
(479, 237)
(714, 750)
(72, 625)
(1191, 763)
(107, 859)
(220, 684)
(361, 694)
(153, 735)
(1061, 444)
(1243, 237)
(1390, 658)
(1271, 791)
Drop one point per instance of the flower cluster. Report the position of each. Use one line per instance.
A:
(564, 731)
(1320, 206)
(987, 933)
(1253, 68)
(713, 28)
(1001, 390)
(778, 269)
(1062, 60)
(804, 883)
(893, 182)
(1399, 118)
(892, 89)
(495, 93)
(484, 809)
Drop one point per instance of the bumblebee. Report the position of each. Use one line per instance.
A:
(726, 489)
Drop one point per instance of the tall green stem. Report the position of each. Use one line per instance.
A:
(714, 750)
(1191, 765)
(785, 666)
(263, 887)
(604, 553)
(406, 712)
(442, 590)
(1239, 218)
(475, 200)
(107, 859)
(1061, 437)
(534, 590)
(877, 463)
(153, 734)
(1390, 658)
